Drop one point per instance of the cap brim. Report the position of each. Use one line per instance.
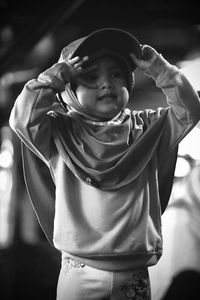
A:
(112, 39)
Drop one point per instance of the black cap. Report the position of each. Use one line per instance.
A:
(112, 39)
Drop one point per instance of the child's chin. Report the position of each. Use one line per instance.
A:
(107, 117)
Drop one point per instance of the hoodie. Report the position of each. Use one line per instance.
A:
(107, 182)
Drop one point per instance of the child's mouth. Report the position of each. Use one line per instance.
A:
(107, 97)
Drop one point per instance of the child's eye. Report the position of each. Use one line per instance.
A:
(91, 77)
(117, 74)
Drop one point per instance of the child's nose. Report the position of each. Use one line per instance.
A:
(105, 82)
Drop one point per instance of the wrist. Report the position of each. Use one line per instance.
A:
(158, 69)
(55, 77)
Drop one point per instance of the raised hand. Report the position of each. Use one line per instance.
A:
(75, 65)
(63, 72)
(149, 54)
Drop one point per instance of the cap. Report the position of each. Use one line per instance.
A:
(112, 39)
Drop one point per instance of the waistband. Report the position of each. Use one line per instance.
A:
(121, 263)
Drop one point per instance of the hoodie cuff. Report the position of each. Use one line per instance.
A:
(159, 69)
(53, 77)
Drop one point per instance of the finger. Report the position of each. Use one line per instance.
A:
(77, 67)
(80, 62)
(79, 70)
(134, 58)
(73, 60)
(77, 61)
(85, 58)
(149, 53)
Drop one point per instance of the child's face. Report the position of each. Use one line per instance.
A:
(102, 88)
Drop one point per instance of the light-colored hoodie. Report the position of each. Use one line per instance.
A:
(112, 178)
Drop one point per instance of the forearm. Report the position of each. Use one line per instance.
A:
(183, 101)
(29, 117)
(180, 95)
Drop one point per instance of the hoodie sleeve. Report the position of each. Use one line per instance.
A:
(30, 117)
(183, 101)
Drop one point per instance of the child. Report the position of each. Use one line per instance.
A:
(112, 167)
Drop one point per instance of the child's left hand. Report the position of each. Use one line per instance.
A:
(149, 54)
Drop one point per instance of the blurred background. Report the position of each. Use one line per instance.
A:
(32, 35)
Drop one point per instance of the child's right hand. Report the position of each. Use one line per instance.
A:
(75, 66)
(62, 73)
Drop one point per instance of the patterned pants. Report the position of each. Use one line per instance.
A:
(80, 282)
